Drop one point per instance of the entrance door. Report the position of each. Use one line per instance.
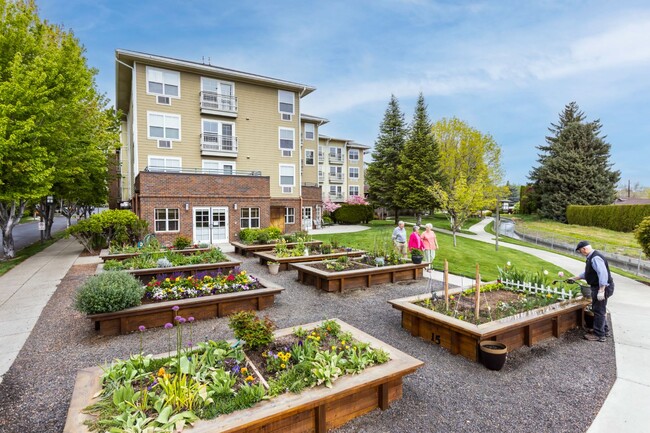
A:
(319, 217)
(307, 220)
(210, 225)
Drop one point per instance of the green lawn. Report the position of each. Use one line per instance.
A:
(462, 259)
(25, 253)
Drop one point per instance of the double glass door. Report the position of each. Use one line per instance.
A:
(210, 225)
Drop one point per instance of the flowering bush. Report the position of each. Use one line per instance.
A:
(330, 206)
(356, 199)
(203, 284)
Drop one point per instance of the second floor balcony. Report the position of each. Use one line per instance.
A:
(216, 103)
(321, 157)
(335, 158)
(336, 177)
(336, 196)
(218, 145)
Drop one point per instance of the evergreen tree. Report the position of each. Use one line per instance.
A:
(574, 166)
(381, 174)
(419, 165)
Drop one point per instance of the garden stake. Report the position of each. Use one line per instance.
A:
(477, 295)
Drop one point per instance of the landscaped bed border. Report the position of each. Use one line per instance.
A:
(106, 255)
(205, 307)
(343, 280)
(462, 338)
(266, 257)
(317, 409)
(247, 250)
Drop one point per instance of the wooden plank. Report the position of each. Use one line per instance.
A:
(383, 396)
(320, 417)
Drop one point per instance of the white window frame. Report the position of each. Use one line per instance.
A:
(219, 84)
(293, 138)
(310, 128)
(167, 118)
(219, 166)
(313, 157)
(166, 76)
(249, 219)
(283, 98)
(289, 215)
(354, 170)
(351, 187)
(338, 189)
(293, 174)
(351, 152)
(167, 220)
(166, 159)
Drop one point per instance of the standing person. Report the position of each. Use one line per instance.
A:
(399, 239)
(600, 280)
(430, 243)
(414, 240)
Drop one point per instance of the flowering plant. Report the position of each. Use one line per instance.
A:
(167, 288)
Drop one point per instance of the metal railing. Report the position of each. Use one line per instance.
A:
(321, 157)
(214, 171)
(336, 177)
(218, 102)
(335, 159)
(336, 196)
(218, 143)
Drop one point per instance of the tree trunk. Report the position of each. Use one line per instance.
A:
(9, 217)
(49, 220)
(396, 215)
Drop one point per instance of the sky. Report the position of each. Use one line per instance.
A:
(506, 67)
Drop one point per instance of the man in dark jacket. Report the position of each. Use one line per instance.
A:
(599, 277)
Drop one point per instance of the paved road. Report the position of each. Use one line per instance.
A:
(27, 234)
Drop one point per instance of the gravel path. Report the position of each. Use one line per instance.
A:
(556, 386)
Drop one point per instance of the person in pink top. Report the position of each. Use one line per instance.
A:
(414, 240)
(430, 244)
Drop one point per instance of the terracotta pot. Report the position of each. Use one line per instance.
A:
(493, 354)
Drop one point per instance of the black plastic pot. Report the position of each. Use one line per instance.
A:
(493, 354)
(417, 259)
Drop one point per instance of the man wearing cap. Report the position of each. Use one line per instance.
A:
(600, 280)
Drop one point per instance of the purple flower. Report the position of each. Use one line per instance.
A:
(168, 325)
(141, 328)
(181, 319)
(178, 318)
(190, 319)
(176, 308)
(189, 344)
(235, 369)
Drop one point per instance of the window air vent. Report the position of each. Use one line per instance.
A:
(165, 144)
(287, 153)
(287, 116)
(164, 100)
(287, 189)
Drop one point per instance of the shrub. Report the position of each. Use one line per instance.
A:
(182, 242)
(107, 292)
(620, 218)
(250, 328)
(111, 227)
(642, 234)
(353, 214)
(248, 236)
(263, 236)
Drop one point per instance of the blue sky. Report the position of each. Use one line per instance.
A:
(506, 67)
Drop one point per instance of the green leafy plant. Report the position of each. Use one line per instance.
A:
(417, 252)
(250, 328)
(108, 292)
(111, 227)
(326, 367)
(182, 242)
(642, 234)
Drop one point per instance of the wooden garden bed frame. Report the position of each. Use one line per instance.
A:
(247, 250)
(317, 409)
(343, 280)
(145, 275)
(266, 257)
(462, 338)
(205, 307)
(106, 255)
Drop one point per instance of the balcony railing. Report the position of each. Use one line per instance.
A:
(221, 172)
(321, 177)
(225, 145)
(336, 159)
(336, 196)
(336, 177)
(321, 157)
(213, 101)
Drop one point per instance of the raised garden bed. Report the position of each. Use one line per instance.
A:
(206, 307)
(317, 409)
(266, 257)
(106, 255)
(145, 275)
(365, 276)
(460, 337)
(247, 250)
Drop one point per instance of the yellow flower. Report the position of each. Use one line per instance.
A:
(161, 372)
(249, 379)
(333, 347)
(343, 342)
(244, 370)
(167, 280)
(283, 366)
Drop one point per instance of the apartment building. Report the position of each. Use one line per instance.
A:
(207, 151)
(340, 168)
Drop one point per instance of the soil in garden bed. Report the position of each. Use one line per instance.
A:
(351, 266)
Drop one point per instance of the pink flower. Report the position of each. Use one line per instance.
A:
(190, 319)
(141, 328)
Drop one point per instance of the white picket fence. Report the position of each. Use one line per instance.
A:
(538, 289)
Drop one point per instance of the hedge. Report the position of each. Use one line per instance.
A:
(620, 218)
(109, 228)
(353, 214)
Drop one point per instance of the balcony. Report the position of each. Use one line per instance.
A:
(336, 177)
(336, 196)
(218, 104)
(218, 145)
(336, 158)
(321, 177)
(321, 157)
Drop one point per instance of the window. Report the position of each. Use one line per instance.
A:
(285, 101)
(218, 167)
(336, 191)
(289, 215)
(287, 175)
(166, 220)
(163, 126)
(353, 190)
(218, 135)
(163, 82)
(166, 164)
(310, 131)
(250, 218)
(217, 94)
(309, 157)
(287, 138)
(353, 155)
(354, 173)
